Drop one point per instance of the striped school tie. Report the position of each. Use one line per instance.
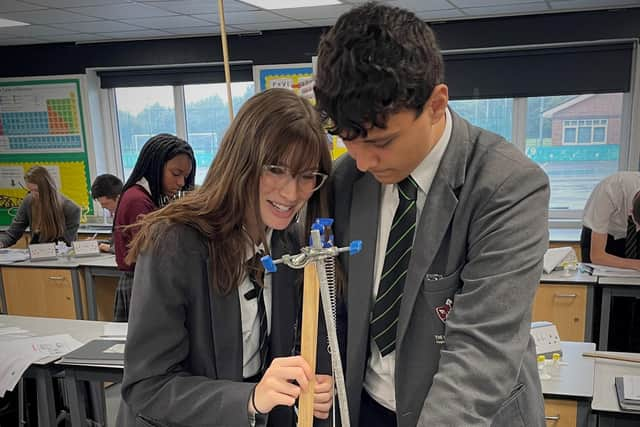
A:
(631, 242)
(256, 276)
(384, 318)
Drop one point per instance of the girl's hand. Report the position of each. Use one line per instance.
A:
(276, 387)
(323, 396)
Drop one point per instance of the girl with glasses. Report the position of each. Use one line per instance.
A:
(210, 336)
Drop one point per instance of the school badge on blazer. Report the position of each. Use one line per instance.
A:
(443, 311)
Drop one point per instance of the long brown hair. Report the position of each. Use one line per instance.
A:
(273, 127)
(47, 215)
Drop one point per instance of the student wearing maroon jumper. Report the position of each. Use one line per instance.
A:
(166, 165)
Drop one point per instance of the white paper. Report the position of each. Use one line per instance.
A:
(606, 271)
(13, 255)
(115, 329)
(631, 386)
(18, 354)
(555, 256)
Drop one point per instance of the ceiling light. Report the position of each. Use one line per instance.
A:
(10, 23)
(289, 4)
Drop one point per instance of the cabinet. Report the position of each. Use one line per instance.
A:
(560, 413)
(566, 307)
(43, 292)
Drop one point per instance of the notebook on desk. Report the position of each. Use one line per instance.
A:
(628, 392)
(97, 352)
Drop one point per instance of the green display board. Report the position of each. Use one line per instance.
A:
(42, 123)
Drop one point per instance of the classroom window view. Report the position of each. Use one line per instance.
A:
(207, 113)
(576, 140)
(145, 111)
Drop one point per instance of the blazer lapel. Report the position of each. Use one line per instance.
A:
(227, 332)
(363, 225)
(436, 216)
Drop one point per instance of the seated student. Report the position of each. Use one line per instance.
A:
(165, 165)
(610, 223)
(208, 336)
(50, 215)
(106, 189)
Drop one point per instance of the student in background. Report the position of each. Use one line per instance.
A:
(610, 222)
(50, 215)
(454, 227)
(210, 340)
(106, 189)
(166, 165)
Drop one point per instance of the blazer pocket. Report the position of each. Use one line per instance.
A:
(433, 283)
(509, 414)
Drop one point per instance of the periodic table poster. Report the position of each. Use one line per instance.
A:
(41, 123)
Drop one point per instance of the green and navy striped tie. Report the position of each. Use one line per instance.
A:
(384, 318)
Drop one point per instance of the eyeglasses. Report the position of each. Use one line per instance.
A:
(307, 181)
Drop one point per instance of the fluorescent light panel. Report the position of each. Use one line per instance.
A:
(289, 4)
(9, 23)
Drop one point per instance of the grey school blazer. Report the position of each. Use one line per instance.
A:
(478, 250)
(183, 357)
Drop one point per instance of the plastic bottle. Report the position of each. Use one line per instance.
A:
(542, 370)
(555, 365)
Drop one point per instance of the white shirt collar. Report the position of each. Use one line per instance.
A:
(423, 174)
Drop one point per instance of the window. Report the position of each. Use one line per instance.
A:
(199, 113)
(576, 139)
(207, 114)
(142, 113)
(495, 115)
(589, 131)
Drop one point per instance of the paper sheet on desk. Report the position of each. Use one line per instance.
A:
(18, 354)
(553, 257)
(115, 329)
(606, 271)
(13, 255)
(631, 387)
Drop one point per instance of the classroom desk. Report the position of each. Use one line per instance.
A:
(575, 384)
(104, 266)
(614, 287)
(75, 375)
(605, 401)
(43, 370)
(65, 263)
(90, 267)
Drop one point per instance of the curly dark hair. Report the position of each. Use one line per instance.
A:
(376, 60)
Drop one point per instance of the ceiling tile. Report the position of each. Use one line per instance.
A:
(435, 15)
(209, 17)
(75, 3)
(266, 26)
(98, 27)
(138, 34)
(326, 22)
(481, 3)
(33, 31)
(15, 6)
(189, 7)
(520, 8)
(233, 18)
(161, 23)
(318, 12)
(122, 11)
(75, 37)
(209, 29)
(421, 5)
(47, 16)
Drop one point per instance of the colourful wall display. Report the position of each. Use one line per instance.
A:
(41, 123)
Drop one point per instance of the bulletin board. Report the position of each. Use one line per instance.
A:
(42, 123)
(299, 78)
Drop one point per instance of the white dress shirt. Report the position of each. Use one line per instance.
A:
(249, 316)
(379, 379)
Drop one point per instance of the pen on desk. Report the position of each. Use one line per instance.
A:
(93, 237)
